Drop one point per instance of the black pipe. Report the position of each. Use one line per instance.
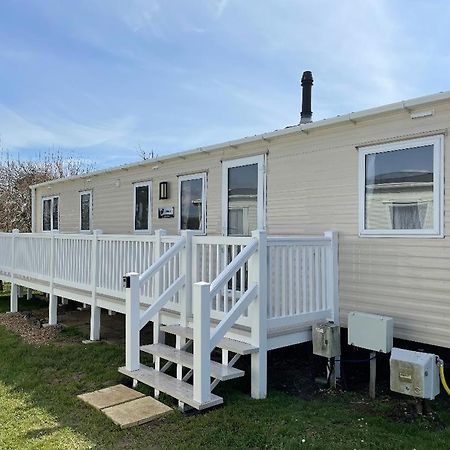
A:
(307, 82)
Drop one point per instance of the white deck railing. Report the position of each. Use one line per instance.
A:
(301, 271)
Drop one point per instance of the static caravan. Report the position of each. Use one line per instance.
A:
(258, 238)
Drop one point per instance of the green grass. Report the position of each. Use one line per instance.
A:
(39, 410)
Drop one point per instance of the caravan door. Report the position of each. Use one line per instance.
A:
(243, 196)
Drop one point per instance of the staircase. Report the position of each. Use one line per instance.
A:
(181, 389)
(195, 310)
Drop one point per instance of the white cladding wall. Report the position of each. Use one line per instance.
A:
(312, 186)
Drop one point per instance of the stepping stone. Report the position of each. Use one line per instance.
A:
(136, 412)
(111, 396)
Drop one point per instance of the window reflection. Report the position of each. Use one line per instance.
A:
(242, 200)
(191, 204)
(399, 189)
(141, 216)
(85, 207)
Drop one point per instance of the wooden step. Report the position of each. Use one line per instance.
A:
(171, 386)
(218, 371)
(233, 345)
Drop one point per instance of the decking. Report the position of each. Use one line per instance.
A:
(244, 295)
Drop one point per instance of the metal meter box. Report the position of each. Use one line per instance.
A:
(326, 338)
(414, 373)
(371, 331)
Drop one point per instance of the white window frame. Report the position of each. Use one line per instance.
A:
(90, 210)
(149, 184)
(438, 186)
(260, 160)
(51, 198)
(194, 176)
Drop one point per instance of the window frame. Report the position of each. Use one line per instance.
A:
(438, 186)
(149, 184)
(51, 198)
(194, 176)
(90, 211)
(261, 162)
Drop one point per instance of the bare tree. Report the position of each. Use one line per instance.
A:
(146, 154)
(16, 177)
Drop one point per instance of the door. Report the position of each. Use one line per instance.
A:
(243, 196)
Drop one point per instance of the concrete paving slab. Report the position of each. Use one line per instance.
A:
(137, 412)
(111, 396)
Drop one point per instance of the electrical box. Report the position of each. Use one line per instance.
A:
(371, 331)
(326, 338)
(414, 373)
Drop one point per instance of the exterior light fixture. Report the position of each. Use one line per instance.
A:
(163, 190)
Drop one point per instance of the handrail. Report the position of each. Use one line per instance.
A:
(162, 300)
(163, 260)
(235, 312)
(233, 267)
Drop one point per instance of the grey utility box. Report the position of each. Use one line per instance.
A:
(371, 331)
(326, 338)
(414, 373)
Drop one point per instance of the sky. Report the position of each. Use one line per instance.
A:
(100, 80)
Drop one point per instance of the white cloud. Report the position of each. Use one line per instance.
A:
(140, 15)
(19, 131)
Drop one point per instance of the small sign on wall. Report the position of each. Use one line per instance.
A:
(166, 212)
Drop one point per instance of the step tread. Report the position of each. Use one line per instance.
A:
(219, 371)
(171, 386)
(233, 345)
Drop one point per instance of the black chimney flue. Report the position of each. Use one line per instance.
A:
(307, 82)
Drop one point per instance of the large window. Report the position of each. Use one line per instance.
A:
(192, 192)
(85, 210)
(401, 188)
(142, 206)
(50, 213)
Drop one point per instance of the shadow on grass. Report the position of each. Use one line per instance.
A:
(38, 301)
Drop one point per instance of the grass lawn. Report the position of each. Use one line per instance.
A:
(39, 409)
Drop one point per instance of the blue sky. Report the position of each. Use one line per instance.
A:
(100, 79)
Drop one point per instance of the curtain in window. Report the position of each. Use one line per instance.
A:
(46, 215)
(408, 216)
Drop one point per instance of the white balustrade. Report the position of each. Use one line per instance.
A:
(301, 277)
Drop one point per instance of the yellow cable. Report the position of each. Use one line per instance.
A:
(443, 381)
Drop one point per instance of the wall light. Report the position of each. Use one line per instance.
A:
(163, 190)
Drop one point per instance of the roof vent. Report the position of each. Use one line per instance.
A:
(307, 82)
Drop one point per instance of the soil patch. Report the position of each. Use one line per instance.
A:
(30, 328)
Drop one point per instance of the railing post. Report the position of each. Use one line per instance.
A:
(186, 268)
(158, 337)
(333, 287)
(52, 299)
(202, 336)
(14, 304)
(257, 311)
(132, 326)
(95, 310)
(185, 294)
(333, 275)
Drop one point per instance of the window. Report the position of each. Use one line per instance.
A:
(192, 192)
(401, 188)
(243, 196)
(50, 213)
(85, 210)
(142, 206)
